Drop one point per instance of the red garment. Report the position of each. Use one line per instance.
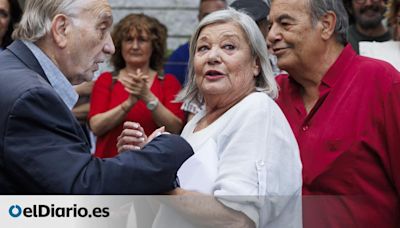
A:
(349, 143)
(106, 95)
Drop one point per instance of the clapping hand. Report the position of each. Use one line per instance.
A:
(135, 84)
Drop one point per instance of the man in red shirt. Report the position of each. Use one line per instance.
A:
(345, 112)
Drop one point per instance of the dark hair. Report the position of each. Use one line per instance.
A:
(349, 9)
(140, 23)
(15, 17)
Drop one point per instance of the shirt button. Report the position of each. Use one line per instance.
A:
(305, 128)
(260, 164)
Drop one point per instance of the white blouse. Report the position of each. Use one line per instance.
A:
(250, 151)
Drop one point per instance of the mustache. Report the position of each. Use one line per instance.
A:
(374, 8)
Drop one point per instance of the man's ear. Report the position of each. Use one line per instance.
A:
(59, 29)
(328, 22)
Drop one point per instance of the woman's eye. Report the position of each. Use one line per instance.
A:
(142, 39)
(202, 48)
(228, 47)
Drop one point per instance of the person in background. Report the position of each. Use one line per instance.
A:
(136, 90)
(42, 146)
(344, 110)
(258, 10)
(10, 14)
(246, 155)
(394, 18)
(388, 51)
(177, 63)
(366, 17)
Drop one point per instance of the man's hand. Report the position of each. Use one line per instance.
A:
(133, 137)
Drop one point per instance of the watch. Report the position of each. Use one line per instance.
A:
(151, 105)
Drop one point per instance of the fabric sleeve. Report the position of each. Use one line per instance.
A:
(392, 127)
(101, 95)
(44, 153)
(171, 89)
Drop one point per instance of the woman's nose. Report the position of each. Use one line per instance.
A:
(214, 56)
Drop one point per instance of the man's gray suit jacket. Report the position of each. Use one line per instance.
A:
(43, 149)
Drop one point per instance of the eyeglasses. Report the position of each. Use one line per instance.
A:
(363, 1)
(4, 14)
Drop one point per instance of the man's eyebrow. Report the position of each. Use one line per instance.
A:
(105, 16)
(285, 16)
(280, 18)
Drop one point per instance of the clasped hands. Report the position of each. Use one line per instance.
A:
(133, 137)
(136, 84)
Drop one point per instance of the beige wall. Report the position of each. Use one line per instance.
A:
(180, 16)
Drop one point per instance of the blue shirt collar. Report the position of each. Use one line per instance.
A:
(56, 78)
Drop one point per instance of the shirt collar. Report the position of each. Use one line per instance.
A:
(339, 67)
(56, 78)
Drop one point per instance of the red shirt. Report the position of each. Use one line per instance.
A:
(107, 95)
(349, 143)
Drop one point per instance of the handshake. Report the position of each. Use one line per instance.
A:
(133, 137)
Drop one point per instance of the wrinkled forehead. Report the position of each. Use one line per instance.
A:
(223, 30)
(102, 7)
(98, 10)
(290, 8)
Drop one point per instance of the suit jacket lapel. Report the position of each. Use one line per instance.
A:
(22, 52)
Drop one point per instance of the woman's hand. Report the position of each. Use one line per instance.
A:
(133, 137)
(135, 83)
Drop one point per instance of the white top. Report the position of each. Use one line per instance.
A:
(388, 51)
(249, 151)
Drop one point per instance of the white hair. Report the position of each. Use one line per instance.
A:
(39, 14)
(265, 82)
